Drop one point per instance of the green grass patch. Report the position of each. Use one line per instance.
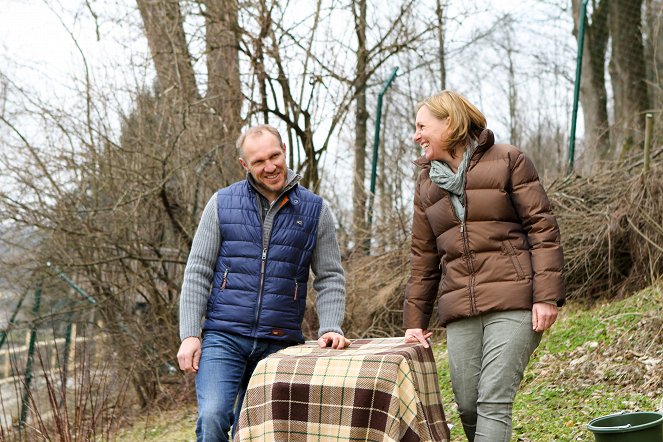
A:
(172, 426)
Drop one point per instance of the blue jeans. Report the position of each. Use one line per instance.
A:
(487, 357)
(226, 364)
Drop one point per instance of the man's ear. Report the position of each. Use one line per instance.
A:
(283, 147)
(244, 165)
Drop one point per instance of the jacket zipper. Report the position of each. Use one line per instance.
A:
(466, 246)
(470, 263)
(296, 289)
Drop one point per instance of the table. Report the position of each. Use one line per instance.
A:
(374, 390)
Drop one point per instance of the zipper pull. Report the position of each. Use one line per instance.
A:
(262, 263)
(462, 227)
(225, 279)
(296, 289)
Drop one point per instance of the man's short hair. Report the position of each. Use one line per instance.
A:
(256, 130)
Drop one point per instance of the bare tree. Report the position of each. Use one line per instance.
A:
(165, 35)
(628, 72)
(441, 26)
(593, 93)
(361, 119)
(654, 51)
(219, 111)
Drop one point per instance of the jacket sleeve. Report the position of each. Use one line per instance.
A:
(422, 286)
(329, 280)
(199, 271)
(535, 211)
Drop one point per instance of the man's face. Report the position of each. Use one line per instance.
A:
(264, 159)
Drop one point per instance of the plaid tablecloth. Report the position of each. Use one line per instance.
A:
(374, 390)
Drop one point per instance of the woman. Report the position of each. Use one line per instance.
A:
(484, 238)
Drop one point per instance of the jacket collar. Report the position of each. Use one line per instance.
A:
(486, 140)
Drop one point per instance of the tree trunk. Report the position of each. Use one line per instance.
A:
(593, 93)
(654, 55)
(165, 36)
(512, 91)
(628, 73)
(361, 118)
(439, 11)
(224, 93)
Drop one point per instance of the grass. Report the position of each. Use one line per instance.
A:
(593, 362)
(178, 425)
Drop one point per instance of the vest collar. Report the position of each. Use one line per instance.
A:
(292, 179)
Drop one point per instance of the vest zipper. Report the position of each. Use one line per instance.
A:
(262, 286)
(296, 289)
(265, 247)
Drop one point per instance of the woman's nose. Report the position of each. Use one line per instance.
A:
(416, 137)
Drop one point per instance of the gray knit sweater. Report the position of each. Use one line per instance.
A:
(329, 281)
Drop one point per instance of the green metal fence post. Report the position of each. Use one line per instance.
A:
(576, 88)
(28, 364)
(376, 144)
(5, 333)
(67, 341)
(71, 284)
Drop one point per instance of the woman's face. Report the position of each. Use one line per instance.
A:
(431, 133)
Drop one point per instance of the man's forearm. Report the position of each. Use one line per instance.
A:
(329, 276)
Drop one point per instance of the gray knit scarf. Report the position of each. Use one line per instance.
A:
(442, 175)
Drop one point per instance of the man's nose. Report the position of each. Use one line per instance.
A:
(269, 167)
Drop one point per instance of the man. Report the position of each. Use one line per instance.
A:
(247, 274)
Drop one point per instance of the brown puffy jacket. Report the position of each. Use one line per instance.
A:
(505, 256)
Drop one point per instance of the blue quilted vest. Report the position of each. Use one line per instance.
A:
(259, 287)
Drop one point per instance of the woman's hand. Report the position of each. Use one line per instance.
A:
(543, 316)
(413, 335)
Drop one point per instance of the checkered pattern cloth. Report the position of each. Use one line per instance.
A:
(374, 390)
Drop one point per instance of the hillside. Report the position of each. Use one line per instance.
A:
(595, 361)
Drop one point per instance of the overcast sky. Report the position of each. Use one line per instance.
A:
(37, 52)
(38, 42)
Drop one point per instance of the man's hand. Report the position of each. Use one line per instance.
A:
(333, 340)
(413, 335)
(188, 355)
(543, 316)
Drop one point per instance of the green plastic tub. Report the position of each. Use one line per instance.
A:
(642, 426)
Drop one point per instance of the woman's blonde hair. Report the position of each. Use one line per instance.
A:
(464, 117)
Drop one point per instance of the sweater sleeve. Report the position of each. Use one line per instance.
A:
(422, 286)
(329, 280)
(199, 271)
(535, 211)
